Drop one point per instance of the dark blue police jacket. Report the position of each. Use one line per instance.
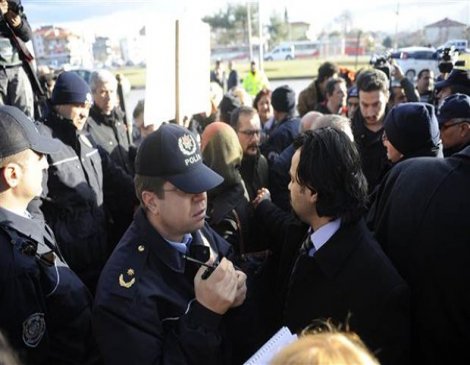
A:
(145, 310)
(45, 310)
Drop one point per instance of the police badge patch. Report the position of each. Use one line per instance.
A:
(187, 144)
(34, 328)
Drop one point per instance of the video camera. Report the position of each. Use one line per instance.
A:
(447, 60)
(382, 62)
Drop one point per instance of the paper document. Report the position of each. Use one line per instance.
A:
(266, 353)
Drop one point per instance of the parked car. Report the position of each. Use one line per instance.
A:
(282, 52)
(414, 59)
(460, 45)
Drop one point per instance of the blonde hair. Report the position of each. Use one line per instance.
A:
(327, 346)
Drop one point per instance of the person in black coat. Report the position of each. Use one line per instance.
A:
(233, 80)
(81, 179)
(286, 126)
(15, 87)
(106, 121)
(422, 224)
(338, 270)
(367, 124)
(411, 130)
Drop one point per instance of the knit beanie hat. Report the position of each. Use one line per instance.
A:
(70, 89)
(283, 99)
(413, 130)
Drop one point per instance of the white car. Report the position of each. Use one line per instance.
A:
(282, 52)
(414, 59)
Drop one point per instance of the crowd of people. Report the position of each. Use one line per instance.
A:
(173, 245)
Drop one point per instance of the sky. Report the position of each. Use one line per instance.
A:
(119, 18)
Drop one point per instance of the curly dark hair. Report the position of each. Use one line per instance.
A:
(261, 93)
(330, 165)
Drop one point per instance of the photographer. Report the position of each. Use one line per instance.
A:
(15, 88)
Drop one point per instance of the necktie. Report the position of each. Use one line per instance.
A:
(307, 246)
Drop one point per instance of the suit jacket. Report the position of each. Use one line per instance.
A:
(350, 279)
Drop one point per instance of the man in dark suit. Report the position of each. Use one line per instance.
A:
(338, 270)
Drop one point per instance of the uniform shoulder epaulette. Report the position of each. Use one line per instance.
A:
(129, 266)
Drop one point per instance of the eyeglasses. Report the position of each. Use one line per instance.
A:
(447, 126)
(251, 132)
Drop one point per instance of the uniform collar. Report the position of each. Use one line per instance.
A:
(161, 248)
(27, 227)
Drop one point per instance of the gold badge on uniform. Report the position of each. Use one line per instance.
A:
(128, 280)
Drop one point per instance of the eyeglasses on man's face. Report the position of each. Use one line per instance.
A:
(251, 132)
(452, 123)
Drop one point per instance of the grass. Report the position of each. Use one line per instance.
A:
(300, 68)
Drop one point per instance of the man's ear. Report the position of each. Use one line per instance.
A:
(11, 175)
(464, 129)
(151, 201)
(312, 196)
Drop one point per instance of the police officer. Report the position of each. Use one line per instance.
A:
(153, 304)
(82, 178)
(45, 310)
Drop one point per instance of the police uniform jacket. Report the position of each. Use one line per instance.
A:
(45, 310)
(422, 222)
(145, 310)
(109, 132)
(79, 176)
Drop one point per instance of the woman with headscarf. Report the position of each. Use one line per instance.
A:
(230, 212)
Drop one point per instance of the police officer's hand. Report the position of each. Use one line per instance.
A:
(241, 289)
(219, 290)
